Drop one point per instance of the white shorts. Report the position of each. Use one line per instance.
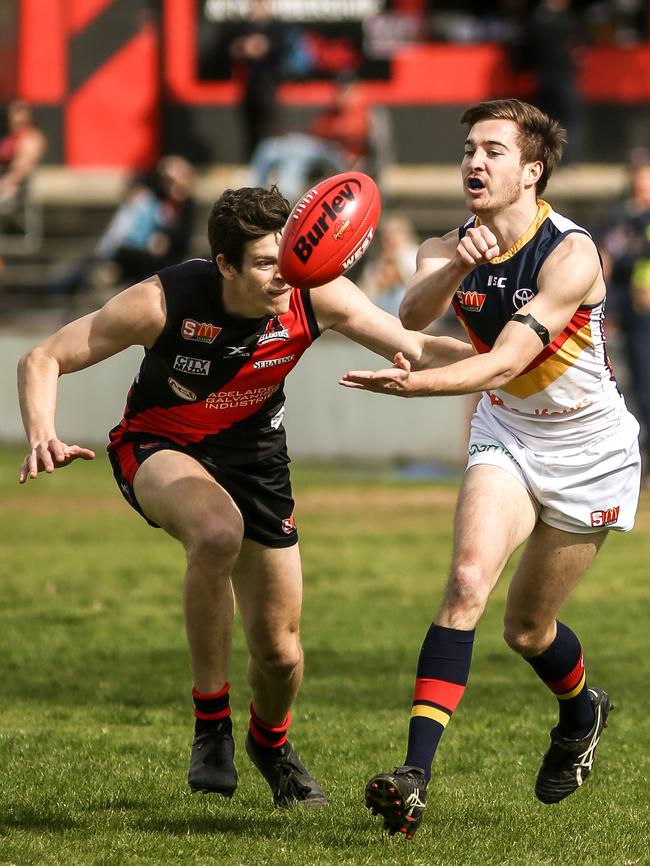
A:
(585, 490)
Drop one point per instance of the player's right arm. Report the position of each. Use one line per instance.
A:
(135, 316)
(442, 264)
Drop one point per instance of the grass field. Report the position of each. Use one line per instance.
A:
(96, 719)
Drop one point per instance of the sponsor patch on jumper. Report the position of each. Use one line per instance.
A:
(180, 390)
(236, 352)
(273, 362)
(472, 301)
(521, 297)
(194, 366)
(200, 332)
(274, 331)
(234, 399)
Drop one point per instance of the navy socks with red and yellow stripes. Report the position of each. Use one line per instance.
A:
(443, 668)
(561, 668)
(211, 710)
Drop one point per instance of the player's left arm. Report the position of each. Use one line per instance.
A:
(341, 306)
(570, 277)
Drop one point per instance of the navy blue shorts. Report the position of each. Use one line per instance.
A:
(261, 490)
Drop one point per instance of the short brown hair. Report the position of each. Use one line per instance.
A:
(239, 216)
(540, 137)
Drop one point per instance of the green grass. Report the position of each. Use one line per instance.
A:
(95, 714)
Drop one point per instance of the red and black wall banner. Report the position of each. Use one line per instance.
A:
(98, 60)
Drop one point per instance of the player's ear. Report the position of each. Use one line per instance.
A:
(533, 172)
(226, 270)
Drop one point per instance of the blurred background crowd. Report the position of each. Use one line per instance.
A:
(122, 122)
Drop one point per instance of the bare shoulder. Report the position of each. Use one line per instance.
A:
(574, 265)
(138, 311)
(577, 249)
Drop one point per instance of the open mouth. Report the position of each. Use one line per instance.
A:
(475, 183)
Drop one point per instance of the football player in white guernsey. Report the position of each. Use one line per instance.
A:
(553, 455)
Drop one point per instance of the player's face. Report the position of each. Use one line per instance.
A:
(493, 176)
(258, 289)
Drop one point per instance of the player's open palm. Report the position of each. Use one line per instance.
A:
(49, 455)
(394, 380)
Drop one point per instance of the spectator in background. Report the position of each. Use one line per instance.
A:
(166, 221)
(258, 53)
(549, 48)
(21, 150)
(625, 248)
(337, 140)
(387, 272)
(150, 230)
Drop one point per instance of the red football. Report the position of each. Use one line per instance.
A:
(329, 229)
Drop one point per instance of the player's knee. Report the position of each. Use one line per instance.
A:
(214, 542)
(467, 590)
(524, 638)
(279, 658)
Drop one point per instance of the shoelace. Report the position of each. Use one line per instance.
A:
(289, 784)
(413, 802)
(586, 759)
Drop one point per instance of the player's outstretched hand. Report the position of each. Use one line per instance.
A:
(49, 455)
(397, 380)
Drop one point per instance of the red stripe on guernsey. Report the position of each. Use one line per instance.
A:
(128, 464)
(579, 320)
(479, 345)
(570, 681)
(439, 692)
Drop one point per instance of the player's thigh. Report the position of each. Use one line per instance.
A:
(176, 492)
(550, 566)
(494, 515)
(268, 587)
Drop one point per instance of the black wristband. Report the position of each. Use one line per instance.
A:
(532, 322)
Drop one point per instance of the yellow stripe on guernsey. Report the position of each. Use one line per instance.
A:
(567, 695)
(552, 368)
(543, 210)
(431, 713)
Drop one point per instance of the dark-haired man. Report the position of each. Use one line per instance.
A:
(201, 452)
(553, 453)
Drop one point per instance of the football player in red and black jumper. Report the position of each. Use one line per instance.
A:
(201, 452)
